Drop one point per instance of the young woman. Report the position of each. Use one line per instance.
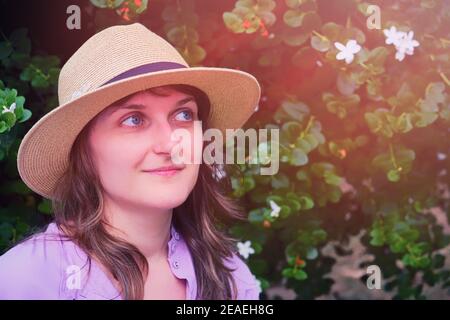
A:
(129, 222)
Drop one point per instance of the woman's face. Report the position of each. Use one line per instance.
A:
(129, 138)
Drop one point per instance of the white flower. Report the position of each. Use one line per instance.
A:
(393, 36)
(245, 248)
(406, 46)
(10, 109)
(403, 42)
(348, 51)
(275, 209)
(441, 156)
(219, 172)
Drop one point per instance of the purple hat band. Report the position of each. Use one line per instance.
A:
(146, 68)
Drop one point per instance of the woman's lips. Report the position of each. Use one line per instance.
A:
(165, 173)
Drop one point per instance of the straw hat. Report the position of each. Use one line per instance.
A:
(112, 64)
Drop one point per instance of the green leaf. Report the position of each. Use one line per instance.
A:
(294, 204)
(257, 247)
(300, 274)
(256, 216)
(294, 38)
(403, 123)
(9, 118)
(346, 84)
(26, 74)
(304, 145)
(306, 202)
(5, 49)
(20, 101)
(393, 175)
(277, 199)
(111, 4)
(423, 119)
(143, 7)
(233, 22)
(248, 183)
(378, 238)
(398, 246)
(418, 249)
(293, 18)
(180, 36)
(311, 21)
(292, 129)
(280, 181)
(334, 195)
(45, 206)
(293, 3)
(193, 53)
(321, 44)
(341, 105)
(285, 211)
(331, 178)
(287, 272)
(296, 110)
(3, 126)
(312, 140)
(436, 92)
(319, 168)
(39, 81)
(53, 74)
(302, 175)
(298, 157)
(25, 116)
(332, 30)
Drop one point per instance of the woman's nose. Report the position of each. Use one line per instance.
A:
(162, 137)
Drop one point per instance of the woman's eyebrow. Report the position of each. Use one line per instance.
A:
(135, 106)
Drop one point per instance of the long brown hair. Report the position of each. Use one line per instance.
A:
(202, 219)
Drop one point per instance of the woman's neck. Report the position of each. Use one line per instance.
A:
(146, 228)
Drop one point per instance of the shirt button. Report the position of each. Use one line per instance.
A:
(177, 236)
(175, 264)
(172, 248)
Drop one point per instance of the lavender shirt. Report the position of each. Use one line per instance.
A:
(48, 267)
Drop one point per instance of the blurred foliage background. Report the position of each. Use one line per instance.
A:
(360, 93)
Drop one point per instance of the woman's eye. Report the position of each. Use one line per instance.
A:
(133, 122)
(185, 115)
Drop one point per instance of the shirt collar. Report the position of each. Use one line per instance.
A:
(98, 285)
(181, 263)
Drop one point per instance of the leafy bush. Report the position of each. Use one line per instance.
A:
(364, 120)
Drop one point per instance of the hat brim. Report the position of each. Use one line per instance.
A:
(44, 151)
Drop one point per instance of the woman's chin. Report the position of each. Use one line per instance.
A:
(166, 200)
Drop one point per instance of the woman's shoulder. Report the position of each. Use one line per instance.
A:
(248, 286)
(33, 268)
